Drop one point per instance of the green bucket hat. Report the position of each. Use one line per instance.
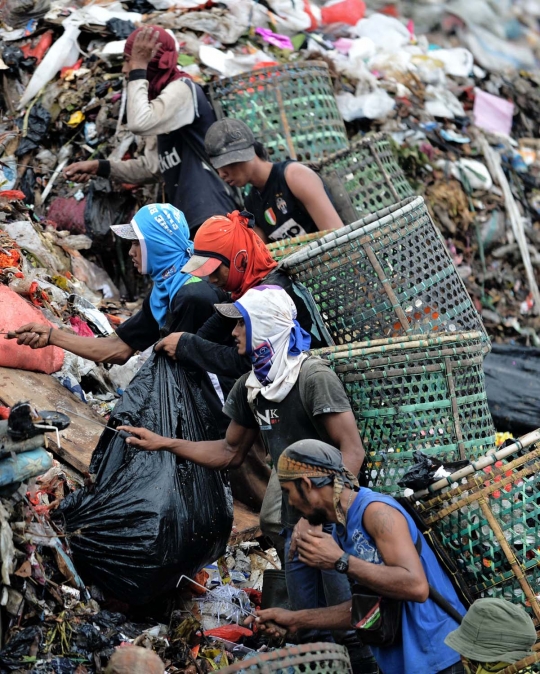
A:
(494, 630)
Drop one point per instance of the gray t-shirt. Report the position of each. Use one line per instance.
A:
(317, 391)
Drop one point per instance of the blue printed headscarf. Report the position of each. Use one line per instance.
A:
(163, 233)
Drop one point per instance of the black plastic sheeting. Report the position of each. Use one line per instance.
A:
(150, 516)
(513, 387)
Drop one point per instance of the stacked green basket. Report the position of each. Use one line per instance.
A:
(384, 276)
(421, 392)
(290, 107)
(364, 178)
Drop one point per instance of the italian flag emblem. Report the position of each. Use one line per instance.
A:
(270, 216)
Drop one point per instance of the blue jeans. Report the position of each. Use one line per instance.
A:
(318, 588)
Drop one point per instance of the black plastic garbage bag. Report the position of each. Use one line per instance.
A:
(513, 387)
(120, 29)
(105, 207)
(422, 473)
(150, 516)
(38, 123)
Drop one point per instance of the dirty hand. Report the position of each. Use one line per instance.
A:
(169, 344)
(145, 47)
(81, 171)
(144, 439)
(302, 526)
(317, 549)
(34, 335)
(280, 616)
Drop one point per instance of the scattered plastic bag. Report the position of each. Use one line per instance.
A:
(150, 517)
(385, 31)
(105, 207)
(8, 173)
(492, 113)
(38, 123)
(426, 470)
(120, 28)
(375, 105)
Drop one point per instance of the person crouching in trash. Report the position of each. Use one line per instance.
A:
(160, 247)
(286, 396)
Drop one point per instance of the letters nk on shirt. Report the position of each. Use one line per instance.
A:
(267, 418)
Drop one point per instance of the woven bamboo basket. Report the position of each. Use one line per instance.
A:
(489, 522)
(290, 107)
(284, 247)
(364, 178)
(386, 275)
(319, 658)
(423, 392)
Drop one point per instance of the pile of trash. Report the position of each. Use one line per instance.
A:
(454, 86)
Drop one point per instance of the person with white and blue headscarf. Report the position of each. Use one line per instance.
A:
(286, 396)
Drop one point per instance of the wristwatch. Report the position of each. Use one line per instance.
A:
(342, 564)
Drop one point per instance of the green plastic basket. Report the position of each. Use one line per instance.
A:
(420, 392)
(364, 178)
(386, 275)
(291, 108)
(489, 523)
(319, 658)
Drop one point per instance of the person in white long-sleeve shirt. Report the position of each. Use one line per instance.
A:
(172, 112)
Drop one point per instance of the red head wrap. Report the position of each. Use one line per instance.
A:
(162, 69)
(233, 239)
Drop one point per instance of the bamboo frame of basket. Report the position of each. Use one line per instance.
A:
(483, 462)
(284, 247)
(522, 665)
(475, 490)
(357, 296)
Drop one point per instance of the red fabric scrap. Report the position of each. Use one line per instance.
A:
(230, 632)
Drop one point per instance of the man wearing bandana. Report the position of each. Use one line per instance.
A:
(287, 396)
(375, 543)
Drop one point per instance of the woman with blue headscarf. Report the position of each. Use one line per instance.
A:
(178, 302)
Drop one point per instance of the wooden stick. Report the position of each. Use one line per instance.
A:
(516, 568)
(521, 664)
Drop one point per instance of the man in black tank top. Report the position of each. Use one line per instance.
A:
(287, 198)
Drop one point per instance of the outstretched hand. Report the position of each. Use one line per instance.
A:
(270, 621)
(141, 438)
(168, 344)
(34, 335)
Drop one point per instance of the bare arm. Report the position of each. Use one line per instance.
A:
(330, 618)
(341, 427)
(308, 188)
(402, 574)
(217, 454)
(259, 232)
(103, 350)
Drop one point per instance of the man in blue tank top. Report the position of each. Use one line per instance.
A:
(375, 544)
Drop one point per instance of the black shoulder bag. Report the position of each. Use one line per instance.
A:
(377, 619)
